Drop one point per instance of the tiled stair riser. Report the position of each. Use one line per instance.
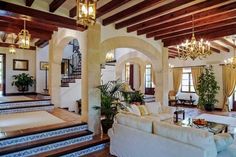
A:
(25, 103)
(49, 147)
(42, 135)
(43, 108)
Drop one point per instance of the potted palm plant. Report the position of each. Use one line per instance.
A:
(22, 81)
(110, 94)
(136, 97)
(207, 88)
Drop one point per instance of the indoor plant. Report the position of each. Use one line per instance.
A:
(136, 97)
(110, 94)
(207, 89)
(22, 82)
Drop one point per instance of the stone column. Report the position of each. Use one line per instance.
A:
(54, 72)
(142, 74)
(93, 76)
(165, 67)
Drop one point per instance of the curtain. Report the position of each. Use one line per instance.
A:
(228, 76)
(177, 77)
(139, 76)
(153, 77)
(196, 72)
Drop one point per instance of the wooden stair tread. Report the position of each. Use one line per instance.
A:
(97, 139)
(41, 142)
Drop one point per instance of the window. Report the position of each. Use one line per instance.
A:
(127, 72)
(187, 81)
(148, 76)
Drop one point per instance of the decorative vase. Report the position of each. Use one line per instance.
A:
(106, 125)
(209, 107)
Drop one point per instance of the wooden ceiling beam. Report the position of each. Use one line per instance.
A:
(13, 10)
(152, 13)
(203, 6)
(222, 12)
(16, 45)
(226, 42)
(41, 43)
(172, 34)
(218, 46)
(130, 11)
(55, 4)
(10, 28)
(210, 34)
(4, 37)
(72, 12)
(215, 50)
(28, 3)
(110, 6)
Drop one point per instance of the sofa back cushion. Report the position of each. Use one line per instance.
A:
(135, 110)
(196, 137)
(133, 121)
(154, 107)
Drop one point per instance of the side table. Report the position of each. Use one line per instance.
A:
(177, 112)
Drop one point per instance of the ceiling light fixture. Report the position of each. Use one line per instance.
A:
(12, 48)
(231, 62)
(194, 49)
(86, 12)
(24, 38)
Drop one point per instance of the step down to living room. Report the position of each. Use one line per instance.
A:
(14, 104)
(71, 139)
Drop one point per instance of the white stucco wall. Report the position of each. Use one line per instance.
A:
(29, 55)
(108, 74)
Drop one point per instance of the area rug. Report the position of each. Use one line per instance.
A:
(25, 120)
(218, 119)
(14, 98)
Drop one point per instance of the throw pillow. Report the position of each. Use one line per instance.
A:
(135, 110)
(222, 141)
(172, 97)
(143, 110)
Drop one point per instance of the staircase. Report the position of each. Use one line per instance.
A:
(69, 140)
(74, 67)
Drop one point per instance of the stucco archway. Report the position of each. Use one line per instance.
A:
(135, 43)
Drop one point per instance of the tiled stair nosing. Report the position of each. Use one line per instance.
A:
(18, 110)
(45, 141)
(18, 107)
(83, 126)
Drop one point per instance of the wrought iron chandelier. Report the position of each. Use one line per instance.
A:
(24, 38)
(231, 62)
(86, 12)
(194, 49)
(12, 48)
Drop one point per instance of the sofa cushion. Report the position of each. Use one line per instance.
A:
(154, 107)
(143, 110)
(135, 110)
(197, 137)
(134, 122)
(222, 141)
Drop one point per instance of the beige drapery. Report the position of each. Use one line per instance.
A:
(177, 77)
(139, 77)
(229, 80)
(196, 73)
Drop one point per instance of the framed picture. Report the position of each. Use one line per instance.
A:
(20, 64)
(43, 65)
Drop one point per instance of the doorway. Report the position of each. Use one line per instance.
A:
(2, 74)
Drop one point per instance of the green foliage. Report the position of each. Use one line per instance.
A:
(207, 87)
(110, 94)
(22, 81)
(136, 96)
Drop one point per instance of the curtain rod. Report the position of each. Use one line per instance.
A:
(190, 66)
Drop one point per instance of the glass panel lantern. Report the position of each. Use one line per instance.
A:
(86, 12)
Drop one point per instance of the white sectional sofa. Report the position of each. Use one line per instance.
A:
(133, 136)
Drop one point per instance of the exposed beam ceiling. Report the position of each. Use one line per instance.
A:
(8, 44)
(130, 11)
(55, 4)
(152, 13)
(13, 10)
(203, 6)
(28, 3)
(41, 43)
(227, 42)
(215, 50)
(16, 39)
(110, 6)
(218, 46)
